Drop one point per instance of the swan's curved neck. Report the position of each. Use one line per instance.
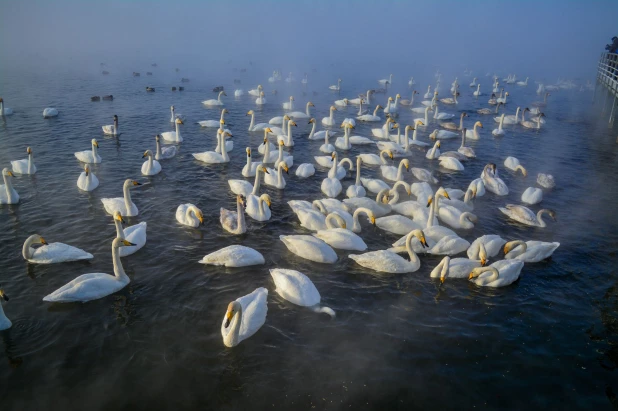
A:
(307, 110)
(27, 250)
(289, 133)
(434, 149)
(280, 174)
(219, 98)
(332, 115)
(360, 108)
(118, 269)
(355, 223)
(150, 162)
(177, 132)
(539, 218)
(432, 214)
(223, 148)
(518, 247)
(191, 214)
(127, 198)
(158, 151)
(261, 203)
(95, 151)
(30, 163)
(172, 111)
(413, 257)
(400, 170)
(495, 274)
(232, 337)
(464, 220)
(115, 126)
(250, 124)
(333, 221)
(312, 131)
(517, 114)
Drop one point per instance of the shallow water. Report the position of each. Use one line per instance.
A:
(398, 341)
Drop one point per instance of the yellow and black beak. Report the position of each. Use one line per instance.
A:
(127, 243)
(145, 155)
(3, 295)
(135, 183)
(424, 242)
(442, 280)
(373, 220)
(201, 218)
(228, 318)
(43, 241)
(483, 262)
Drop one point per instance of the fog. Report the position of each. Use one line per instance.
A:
(550, 38)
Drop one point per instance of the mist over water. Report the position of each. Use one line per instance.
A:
(398, 341)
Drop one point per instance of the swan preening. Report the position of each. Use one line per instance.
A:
(298, 289)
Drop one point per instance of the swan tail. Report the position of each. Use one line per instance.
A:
(325, 310)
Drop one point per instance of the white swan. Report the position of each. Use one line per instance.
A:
(256, 91)
(492, 244)
(51, 253)
(336, 87)
(395, 173)
(234, 221)
(163, 153)
(267, 149)
(296, 115)
(305, 170)
(275, 178)
(433, 152)
(356, 189)
(316, 135)
(253, 126)
(449, 245)
(510, 119)
(377, 207)
(123, 204)
(5, 111)
(532, 195)
(529, 251)
(289, 105)
(525, 216)
(310, 248)
(492, 182)
(258, 208)
(397, 224)
(384, 81)
(442, 116)
(499, 274)
(453, 216)
(330, 121)
(50, 112)
(261, 100)
(234, 256)
(455, 268)
(287, 139)
(250, 168)
(336, 168)
(389, 262)
(513, 164)
(374, 159)
(245, 188)
(341, 237)
(424, 120)
(175, 116)
(239, 92)
(342, 103)
(8, 195)
(189, 215)
(111, 130)
(423, 174)
(546, 180)
(215, 102)
(25, 166)
(88, 287)
(298, 289)
(331, 186)
(450, 163)
(89, 156)
(474, 133)
(87, 181)
(410, 102)
(502, 99)
(173, 136)
(466, 205)
(371, 117)
(244, 317)
(216, 123)
(365, 99)
(135, 234)
(463, 150)
(499, 132)
(443, 134)
(536, 123)
(212, 157)
(150, 167)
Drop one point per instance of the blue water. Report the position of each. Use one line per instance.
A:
(398, 341)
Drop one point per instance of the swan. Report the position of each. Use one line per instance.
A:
(499, 274)
(5, 323)
(356, 189)
(492, 244)
(428, 94)
(442, 116)
(89, 156)
(87, 181)
(330, 121)
(383, 132)
(165, 152)
(25, 166)
(229, 145)
(525, 216)
(216, 123)
(455, 268)
(234, 221)
(173, 136)
(451, 100)
(239, 92)
(450, 163)
(346, 142)
(510, 119)
(466, 205)
(215, 102)
(336, 87)
(112, 130)
(244, 317)
(453, 216)
(276, 181)
(374, 159)
(546, 180)
(135, 234)
(393, 105)
(473, 84)
(309, 248)
(361, 110)
(234, 256)
(499, 132)
(489, 111)
(253, 126)
(424, 120)
(123, 204)
(296, 115)
(433, 152)
(411, 82)
(362, 99)
(51, 253)
(337, 170)
(4, 111)
(536, 123)
(261, 100)
(493, 100)
(88, 287)
(342, 238)
(529, 251)
(250, 168)
(512, 163)
(395, 173)
(331, 186)
(50, 112)
(463, 150)
(532, 195)
(502, 99)
(449, 245)
(397, 224)
(150, 167)
(256, 92)
(8, 195)
(423, 174)
(452, 126)
(212, 157)
(327, 147)
(478, 186)
(342, 102)
(305, 170)
(289, 105)
(474, 134)
(384, 81)
(388, 262)
(298, 289)
(377, 207)
(174, 115)
(312, 216)
(305, 80)
(245, 188)
(493, 183)
(316, 135)
(189, 215)
(255, 207)
(269, 155)
(523, 83)
(408, 102)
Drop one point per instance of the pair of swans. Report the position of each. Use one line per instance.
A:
(87, 181)
(8, 195)
(175, 116)
(535, 123)
(25, 166)
(346, 142)
(492, 182)
(456, 268)
(526, 216)
(124, 204)
(150, 167)
(215, 102)
(234, 256)
(336, 87)
(89, 156)
(93, 286)
(386, 261)
(112, 130)
(135, 234)
(316, 135)
(234, 221)
(173, 136)
(453, 216)
(331, 186)
(51, 253)
(212, 157)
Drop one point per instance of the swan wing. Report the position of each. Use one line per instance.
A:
(520, 213)
(210, 157)
(234, 256)
(254, 310)
(58, 253)
(228, 219)
(382, 261)
(295, 287)
(310, 248)
(240, 187)
(342, 239)
(135, 234)
(450, 245)
(86, 287)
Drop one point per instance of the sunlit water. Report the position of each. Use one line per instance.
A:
(398, 341)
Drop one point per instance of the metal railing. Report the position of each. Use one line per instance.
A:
(607, 75)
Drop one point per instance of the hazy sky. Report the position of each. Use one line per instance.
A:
(517, 36)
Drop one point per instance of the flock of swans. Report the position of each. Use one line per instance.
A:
(428, 224)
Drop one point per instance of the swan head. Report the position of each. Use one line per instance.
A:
(479, 270)
(291, 98)
(390, 99)
(3, 295)
(147, 153)
(250, 113)
(310, 104)
(157, 138)
(311, 121)
(119, 242)
(115, 117)
(29, 150)
(7, 172)
(438, 144)
(395, 125)
(267, 130)
(179, 121)
(118, 216)
(87, 169)
(94, 142)
(379, 107)
(221, 122)
(232, 309)
(420, 236)
(333, 155)
(292, 123)
(284, 166)
(132, 183)
(263, 169)
(552, 214)
(240, 199)
(406, 164)
(478, 123)
(398, 95)
(333, 108)
(223, 93)
(266, 198)
(419, 123)
(248, 150)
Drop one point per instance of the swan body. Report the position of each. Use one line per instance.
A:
(298, 289)
(374, 159)
(111, 130)
(449, 245)
(389, 262)
(336, 87)
(212, 157)
(423, 174)
(250, 168)
(330, 121)
(451, 163)
(327, 147)
(529, 251)
(512, 163)
(215, 102)
(532, 195)
(397, 224)
(443, 134)
(51, 253)
(499, 274)
(163, 153)
(310, 248)
(305, 170)
(89, 156)
(87, 181)
(433, 152)
(150, 167)
(289, 105)
(189, 215)
(395, 173)
(275, 178)
(378, 208)
(342, 239)
(258, 208)
(135, 234)
(124, 204)
(474, 134)
(331, 187)
(244, 317)
(256, 91)
(545, 180)
(371, 117)
(491, 243)
(4, 111)
(493, 183)
(384, 82)
(215, 123)
(173, 136)
(234, 256)
(244, 188)
(25, 166)
(50, 112)
(256, 127)
(374, 185)
(478, 186)
(525, 216)
(297, 115)
(261, 100)
(239, 92)
(499, 132)
(88, 287)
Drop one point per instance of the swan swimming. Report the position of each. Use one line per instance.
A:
(123, 204)
(25, 166)
(244, 317)
(87, 181)
(112, 130)
(163, 153)
(51, 253)
(234, 256)
(135, 234)
(91, 157)
(385, 261)
(8, 195)
(298, 289)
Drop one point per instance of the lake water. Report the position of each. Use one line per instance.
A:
(398, 341)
